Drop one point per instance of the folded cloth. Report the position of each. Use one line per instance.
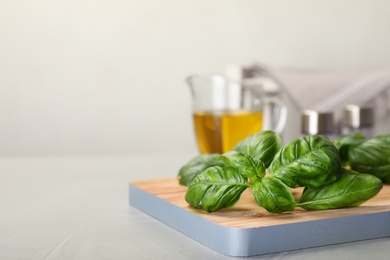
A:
(331, 90)
(326, 90)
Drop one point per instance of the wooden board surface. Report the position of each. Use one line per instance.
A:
(246, 229)
(247, 214)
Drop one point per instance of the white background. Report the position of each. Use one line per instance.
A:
(107, 76)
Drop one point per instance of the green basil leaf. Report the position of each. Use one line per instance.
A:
(343, 143)
(273, 195)
(310, 161)
(262, 145)
(244, 164)
(372, 156)
(216, 188)
(196, 166)
(386, 179)
(350, 190)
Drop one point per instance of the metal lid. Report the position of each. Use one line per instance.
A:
(314, 122)
(356, 116)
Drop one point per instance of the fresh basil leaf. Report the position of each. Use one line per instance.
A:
(343, 143)
(244, 164)
(386, 179)
(273, 195)
(262, 145)
(310, 161)
(216, 188)
(196, 166)
(350, 190)
(372, 156)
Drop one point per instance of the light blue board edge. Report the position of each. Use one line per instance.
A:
(262, 240)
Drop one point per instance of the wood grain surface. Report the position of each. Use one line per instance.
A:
(247, 214)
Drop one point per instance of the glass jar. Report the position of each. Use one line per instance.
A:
(317, 123)
(358, 119)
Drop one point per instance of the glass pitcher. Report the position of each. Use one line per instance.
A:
(226, 111)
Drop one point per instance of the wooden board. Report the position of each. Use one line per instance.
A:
(247, 229)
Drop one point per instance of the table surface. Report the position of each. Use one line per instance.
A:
(77, 208)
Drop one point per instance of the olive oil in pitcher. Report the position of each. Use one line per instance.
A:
(227, 110)
(220, 132)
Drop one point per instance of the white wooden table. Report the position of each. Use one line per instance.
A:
(77, 208)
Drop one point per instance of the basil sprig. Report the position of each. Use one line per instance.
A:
(350, 190)
(244, 164)
(344, 142)
(262, 145)
(273, 195)
(312, 162)
(216, 188)
(372, 156)
(196, 166)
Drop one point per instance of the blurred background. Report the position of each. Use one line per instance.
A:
(108, 77)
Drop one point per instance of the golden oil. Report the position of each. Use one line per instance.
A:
(220, 132)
